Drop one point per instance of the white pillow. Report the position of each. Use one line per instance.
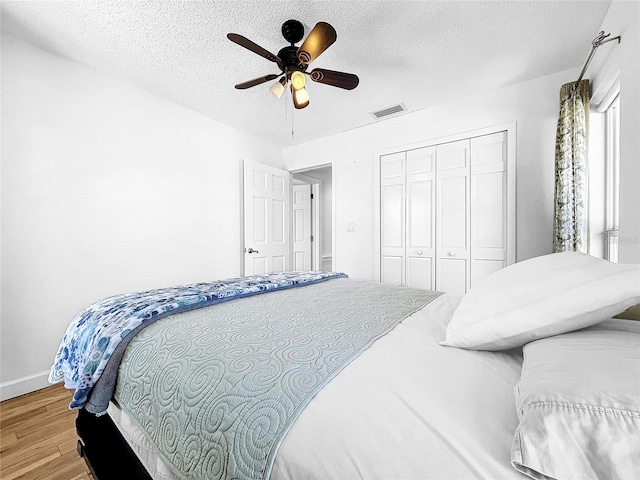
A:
(541, 297)
(578, 402)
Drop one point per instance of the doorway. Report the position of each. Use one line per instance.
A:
(319, 181)
(270, 240)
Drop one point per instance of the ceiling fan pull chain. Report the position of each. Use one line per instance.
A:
(289, 106)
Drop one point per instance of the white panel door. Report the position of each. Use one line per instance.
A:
(447, 212)
(267, 241)
(392, 218)
(301, 227)
(453, 236)
(488, 205)
(420, 205)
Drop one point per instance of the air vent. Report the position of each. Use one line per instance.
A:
(389, 111)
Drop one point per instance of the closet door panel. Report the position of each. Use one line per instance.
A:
(488, 205)
(392, 224)
(453, 223)
(392, 167)
(488, 149)
(392, 218)
(420, 201)
(483, 268)
(453, 155)
(392, 199)
(420, 273)
(420, 216)
(452, 275)
(488, 210)
(391, 270)
(420, 234)
(452, 228)
(421, 160)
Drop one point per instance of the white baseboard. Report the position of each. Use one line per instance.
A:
(20, 386)
(326, 263)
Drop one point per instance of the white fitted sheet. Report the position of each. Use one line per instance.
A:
(410, 408)
(407, 408)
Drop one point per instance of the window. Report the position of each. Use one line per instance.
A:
(612, 190)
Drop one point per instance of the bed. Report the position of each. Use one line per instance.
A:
(314, 375)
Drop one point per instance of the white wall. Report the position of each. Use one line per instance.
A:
(105, 189)
(533, 105)
(622, 61)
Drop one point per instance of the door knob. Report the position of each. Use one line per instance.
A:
(251, 250)
(451, 254)
(419, 252)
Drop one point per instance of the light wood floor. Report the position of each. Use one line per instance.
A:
(38, 437)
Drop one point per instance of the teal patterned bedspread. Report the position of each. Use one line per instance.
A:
(95, 332)
(216, 389)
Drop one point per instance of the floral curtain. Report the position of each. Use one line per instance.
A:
(569, 218)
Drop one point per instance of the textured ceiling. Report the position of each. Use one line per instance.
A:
(420, 53)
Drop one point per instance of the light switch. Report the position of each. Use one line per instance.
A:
(351, 226)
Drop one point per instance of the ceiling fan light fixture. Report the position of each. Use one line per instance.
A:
(298, 80)
(278, 87)
(300, 97)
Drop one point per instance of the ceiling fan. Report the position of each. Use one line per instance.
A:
(293, 61)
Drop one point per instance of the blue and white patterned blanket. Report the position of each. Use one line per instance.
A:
(96, 331)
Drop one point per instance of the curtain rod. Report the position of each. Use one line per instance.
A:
(599, 40)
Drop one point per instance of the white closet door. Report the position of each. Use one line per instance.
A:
(453, 227)
(392, 215)
(420, 231)
(488, 205)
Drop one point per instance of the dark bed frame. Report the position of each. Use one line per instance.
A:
(104, 449)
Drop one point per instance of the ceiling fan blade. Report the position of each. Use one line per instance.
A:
(256, 81)
(348, 81)
(319, 39)
(254, 47)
